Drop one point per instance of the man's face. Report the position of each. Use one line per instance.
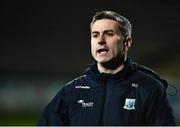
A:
(106, 41)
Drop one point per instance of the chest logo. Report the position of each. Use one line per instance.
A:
(134, 85)
(129, 104)
(82, 87)
(85, 104)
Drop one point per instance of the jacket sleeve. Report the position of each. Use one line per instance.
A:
(160, 112)
(55, 113)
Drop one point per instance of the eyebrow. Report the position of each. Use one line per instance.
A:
(105, 31)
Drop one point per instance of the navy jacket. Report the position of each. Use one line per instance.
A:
(134, 96)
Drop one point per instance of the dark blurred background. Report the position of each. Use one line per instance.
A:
(45, 44)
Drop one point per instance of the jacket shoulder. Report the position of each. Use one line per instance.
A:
(149, 80)
(65, 94)
(75, 83)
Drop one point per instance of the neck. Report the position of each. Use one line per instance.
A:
(102, 69)
(114, 66)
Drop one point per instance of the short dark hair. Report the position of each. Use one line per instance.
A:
(125, 25)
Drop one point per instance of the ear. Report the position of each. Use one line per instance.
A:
(128, 43)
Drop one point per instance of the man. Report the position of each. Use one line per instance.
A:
(114, 90)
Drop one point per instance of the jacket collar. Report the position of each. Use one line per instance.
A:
(96, 75)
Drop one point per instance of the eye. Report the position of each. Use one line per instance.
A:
(94, 35)
(110, 34)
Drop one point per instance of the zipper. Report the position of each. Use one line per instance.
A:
(106, 101)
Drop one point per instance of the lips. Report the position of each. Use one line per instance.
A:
(102, 50)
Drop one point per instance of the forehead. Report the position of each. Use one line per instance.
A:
(104, 24)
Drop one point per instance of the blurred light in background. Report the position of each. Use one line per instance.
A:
(22, 99)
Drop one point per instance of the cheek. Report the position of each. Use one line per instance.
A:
(92, 48)
(115, 44)
(117, 48)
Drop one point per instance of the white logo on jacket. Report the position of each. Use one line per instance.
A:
(134, 85)
(82, 87)
(129, 104)
(85, 104)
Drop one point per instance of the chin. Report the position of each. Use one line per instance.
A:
(103, 61)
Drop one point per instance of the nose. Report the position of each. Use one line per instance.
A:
(101, 40)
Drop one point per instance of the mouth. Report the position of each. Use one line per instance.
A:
(102, 50)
